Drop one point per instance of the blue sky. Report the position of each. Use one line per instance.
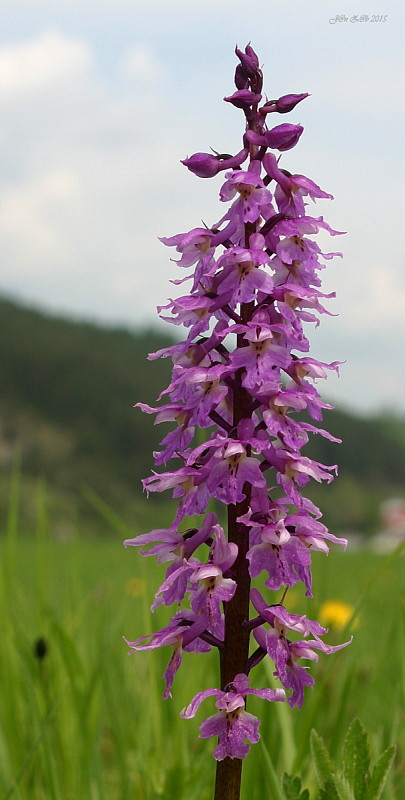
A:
(100, 100)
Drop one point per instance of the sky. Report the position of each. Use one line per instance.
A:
(99, 101)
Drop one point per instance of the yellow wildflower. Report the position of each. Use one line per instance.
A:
(335, 614)
(135, 587)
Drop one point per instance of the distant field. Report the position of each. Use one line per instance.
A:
(87, 722)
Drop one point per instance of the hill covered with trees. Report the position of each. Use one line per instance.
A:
(66, 405)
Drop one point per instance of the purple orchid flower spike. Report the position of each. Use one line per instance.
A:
(243, 376)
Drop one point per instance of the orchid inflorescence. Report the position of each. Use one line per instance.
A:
(241, 374)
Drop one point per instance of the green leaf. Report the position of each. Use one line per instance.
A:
(292, 788)
(379, 774)
(329, 791)
(343, 787)
(356, 759)
(323, 763)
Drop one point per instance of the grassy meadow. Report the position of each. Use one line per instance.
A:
(80, 720)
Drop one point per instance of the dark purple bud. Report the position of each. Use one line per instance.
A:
(253, 59)
(243, 98)
(248, 60)
(282, 137)
(251, 53)
(202, 164)
(241, 78)
(283, 104)
(289, 101)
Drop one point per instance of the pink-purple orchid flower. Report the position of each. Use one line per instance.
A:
(232, 724)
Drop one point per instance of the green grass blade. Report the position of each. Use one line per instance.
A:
(106, 512)
(13, 511)
(403, 649)
(275, 791)
(322, 687)
(379, 774)
(377, 574)
(285, 720)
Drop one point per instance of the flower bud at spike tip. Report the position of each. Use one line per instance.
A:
(249, 60)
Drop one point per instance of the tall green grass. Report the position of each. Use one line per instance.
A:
(87, 722)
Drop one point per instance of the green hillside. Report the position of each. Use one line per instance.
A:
(66, 404)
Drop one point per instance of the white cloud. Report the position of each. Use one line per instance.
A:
(140, 64)
(81, 187)
(50, 59)
(28, 214)
(89, 177)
